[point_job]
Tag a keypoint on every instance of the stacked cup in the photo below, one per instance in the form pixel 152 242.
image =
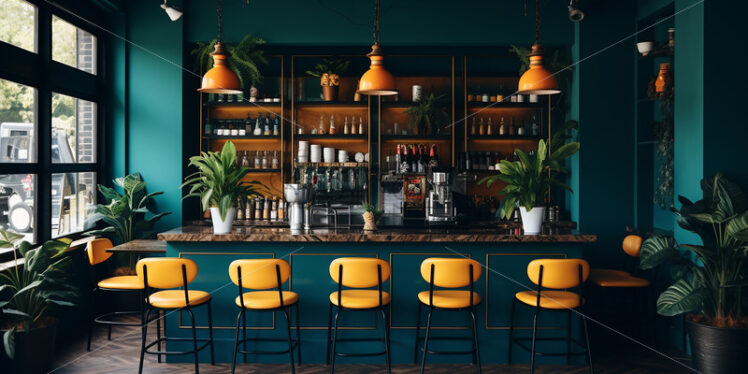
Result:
pixel 316 153
pixel 329 154
pixel 342 156
pixel 303 151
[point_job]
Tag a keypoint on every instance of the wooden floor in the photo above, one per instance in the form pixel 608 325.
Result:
pixel 121 354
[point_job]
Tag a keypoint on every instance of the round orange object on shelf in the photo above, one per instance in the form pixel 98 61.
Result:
pixel 632 245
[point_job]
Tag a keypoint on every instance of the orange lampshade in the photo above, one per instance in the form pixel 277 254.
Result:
pixel 377 81
pixel 220 79
pixel 537 80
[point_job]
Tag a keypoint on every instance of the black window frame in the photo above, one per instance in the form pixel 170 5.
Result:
pixel 47 76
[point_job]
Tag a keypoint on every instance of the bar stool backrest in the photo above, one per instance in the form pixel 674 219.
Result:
pixel 359 272
pixel 450 272
pixel 259 274
pixel 166 272
pixel 96 250
pixel 632 245
pixel 558 273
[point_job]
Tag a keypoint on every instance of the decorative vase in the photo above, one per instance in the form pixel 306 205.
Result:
pixel 222 226
pixel 717 350
pixel 664 78
pixel 330 93
pixel 369 224
pixel 532 220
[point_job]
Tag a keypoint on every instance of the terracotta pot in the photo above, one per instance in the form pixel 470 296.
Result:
pixel 369 224
pixel 330 93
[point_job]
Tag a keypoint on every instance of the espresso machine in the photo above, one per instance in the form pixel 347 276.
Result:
pixel 297 195
pixel 439 203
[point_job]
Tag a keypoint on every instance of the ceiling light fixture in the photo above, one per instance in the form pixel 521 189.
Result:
pixel 377 81
pixel 220 79
pixel 575 14
pixel 537 80
pixel 173 12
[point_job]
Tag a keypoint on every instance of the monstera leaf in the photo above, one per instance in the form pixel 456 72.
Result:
pixel 681 297
pixel 656 250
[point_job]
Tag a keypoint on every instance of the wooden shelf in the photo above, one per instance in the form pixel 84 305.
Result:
pixel 250 137
pixel 243 104
pixel 408 104
pixel 661 52
pixel 416 137
pixel 506 138
pixel 502 105
pixel 362 104
pixel 332 137
pixel 263 171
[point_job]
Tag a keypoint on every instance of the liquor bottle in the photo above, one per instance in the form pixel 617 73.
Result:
pixel 521 128
pixel 276 125
pixel 266 210
pixel 472 128
pixel 245 160
pixel 258 209
pixel 266 130
pixel 281 210
pixel 333 130
pixel 488 129
pixel 535 127
pixel 265 159
pixel 421 159
pixel 321 129
pixel 258 160
pixel 360 125
pixel 398 160
pixel 346 128
pixel 275 163
pixel 248 124
pixel 413 159
pixel 433 158
pixel 502 127
pixel 482 128
pixel 274 209
pixel 405 161
pixel 258 125
pixel 511 127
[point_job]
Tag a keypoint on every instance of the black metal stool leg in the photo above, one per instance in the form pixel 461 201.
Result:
pixel 144 332
pixel 418 334
pixel 91 315
pixel 534 336
pixel 244 333
pixel 158 334
pixel 426 339
pixel 334 341
pixel 210 333
pixel 587 341
pixel 475 340
pixel 236 340
pixel 194 340
pixel 290 340
pixel 329 335
pixel 568 337
pixel 386 341
pixel 511 331
pixel 298 334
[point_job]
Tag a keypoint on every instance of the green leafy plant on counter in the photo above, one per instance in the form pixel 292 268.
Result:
pixel 428 114
pixel 29 293
pixel 709 277
pixel 219 180
pixel 244 58
pixel 330 70
pixel 127 212
pixel 530 177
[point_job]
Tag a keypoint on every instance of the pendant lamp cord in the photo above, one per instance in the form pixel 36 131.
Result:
pixel 376 22
pixel 537 21
pixel 220 20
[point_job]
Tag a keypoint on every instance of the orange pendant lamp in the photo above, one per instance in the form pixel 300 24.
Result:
pixel 537 80
pixel 220 78
pixel 377 81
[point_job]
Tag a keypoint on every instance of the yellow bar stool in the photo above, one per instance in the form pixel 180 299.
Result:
pixel 165 273
pixel 358 273
pixel 612 278
pixel 553 277
pixel 264 274
pixel 97 254
pixel 448 273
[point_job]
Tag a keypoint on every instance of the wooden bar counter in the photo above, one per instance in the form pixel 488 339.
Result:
pixel 504 257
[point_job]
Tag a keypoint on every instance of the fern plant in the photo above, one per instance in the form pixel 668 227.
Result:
pixel 219 181
pixel 245 58
pixel 428 114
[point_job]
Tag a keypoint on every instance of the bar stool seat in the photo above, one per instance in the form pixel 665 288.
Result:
pixel 550 299
pixel 359 299
pixel 124 282
pixel 171 299
pixel 616 278
pixel 266 299
pixel 450 299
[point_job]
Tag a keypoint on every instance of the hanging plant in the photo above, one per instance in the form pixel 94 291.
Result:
pixel 245 58
pixel 663 136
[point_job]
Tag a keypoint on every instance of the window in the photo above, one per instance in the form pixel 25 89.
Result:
pixel 17 123
pixel 18 24
pixel 72 194
pixel 73 46
pixel 17 196
pixel 73 130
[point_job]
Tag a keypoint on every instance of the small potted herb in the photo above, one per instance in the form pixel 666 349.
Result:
pixel 329 71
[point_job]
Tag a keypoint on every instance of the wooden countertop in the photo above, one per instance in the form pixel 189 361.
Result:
pixel 197 233
pixel 140 246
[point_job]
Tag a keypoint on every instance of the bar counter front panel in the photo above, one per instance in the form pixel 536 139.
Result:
pixel 310 255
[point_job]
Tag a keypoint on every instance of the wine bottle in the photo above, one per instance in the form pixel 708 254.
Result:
pixel 502 127
pixel 276 125
pixel 413 160
pixel 482 128
pixel 332 130
pixel 405 163
pixel 488 128
pixel 398 160
pixel 421 159
pixel 267 131
pixel 258 125
pixel 433 158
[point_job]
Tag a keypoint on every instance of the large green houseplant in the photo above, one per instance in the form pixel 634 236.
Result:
pixel 29 296
pixel 529 178
pixel 219 183
pixel 428 114
pixel 709 277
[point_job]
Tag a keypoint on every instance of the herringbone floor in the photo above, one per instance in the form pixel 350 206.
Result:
pixel 121 354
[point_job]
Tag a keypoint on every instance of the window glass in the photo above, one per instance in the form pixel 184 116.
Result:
pixel 18 24
pixel 17 123
pixel 73 130
pixel 72 195
pixel 17 197
pixel 73 46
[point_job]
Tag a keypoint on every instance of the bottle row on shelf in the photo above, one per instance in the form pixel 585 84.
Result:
pixel 332 128
pixel 269 209
pixel 332 179
pixel 254 97
pixel 477 94
pixel 472 161
pixel 412 159
pixel 247 127
pixel 259 159
pixel 481 126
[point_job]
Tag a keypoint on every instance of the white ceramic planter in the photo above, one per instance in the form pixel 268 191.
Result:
pixel 222 226
pixel 532 220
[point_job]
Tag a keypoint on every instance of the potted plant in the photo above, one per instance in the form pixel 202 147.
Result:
pixel 219 184
pixel 125 213
pixel 245 58
pixel 329 71
pixel 529 179
pixel 709 276
pixel 428 115
pixel 371 216
pixel 29 295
